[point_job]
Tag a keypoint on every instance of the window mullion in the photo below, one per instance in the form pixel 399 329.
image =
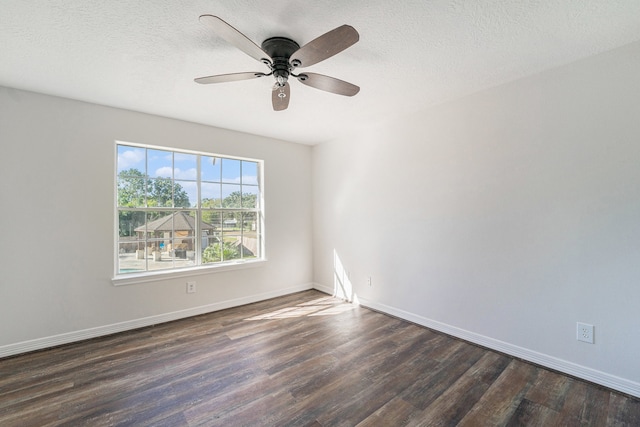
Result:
pixel 198 213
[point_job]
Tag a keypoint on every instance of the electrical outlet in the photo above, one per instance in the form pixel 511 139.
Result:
pixel 585 332
pixel 191 287
pixel 369 280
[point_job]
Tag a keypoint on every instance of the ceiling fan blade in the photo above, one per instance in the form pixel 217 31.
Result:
pixel 234 77
pixel 325 46
pixel 234 37
pixel 280 97
pixel 328 84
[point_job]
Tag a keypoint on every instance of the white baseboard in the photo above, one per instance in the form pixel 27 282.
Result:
pixel 611 381
pixel 69 337
pixel 326 289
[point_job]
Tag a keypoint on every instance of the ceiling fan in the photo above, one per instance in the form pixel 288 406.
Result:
pixel 283 55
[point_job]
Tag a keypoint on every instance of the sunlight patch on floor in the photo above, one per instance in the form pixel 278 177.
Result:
pixel 328 306
pixel 337 309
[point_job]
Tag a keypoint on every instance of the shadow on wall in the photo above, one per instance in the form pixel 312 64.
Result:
pixel 342 287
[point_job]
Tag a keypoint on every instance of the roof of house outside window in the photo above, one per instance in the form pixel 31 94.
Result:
pixel 179 221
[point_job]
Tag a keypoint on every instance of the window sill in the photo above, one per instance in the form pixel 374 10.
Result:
pixel 134 278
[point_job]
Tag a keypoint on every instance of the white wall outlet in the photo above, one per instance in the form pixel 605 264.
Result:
pixel 191 287
pixel 585 332
pixel 369 281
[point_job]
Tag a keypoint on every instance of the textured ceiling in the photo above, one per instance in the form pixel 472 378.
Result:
pixel 143 55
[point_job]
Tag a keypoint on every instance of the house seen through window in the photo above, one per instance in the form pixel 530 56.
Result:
pixel 180 209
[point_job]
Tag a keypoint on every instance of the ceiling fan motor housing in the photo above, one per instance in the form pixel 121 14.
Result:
pixel 280 50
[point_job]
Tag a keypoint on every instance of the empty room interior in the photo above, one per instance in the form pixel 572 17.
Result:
pixel 427 189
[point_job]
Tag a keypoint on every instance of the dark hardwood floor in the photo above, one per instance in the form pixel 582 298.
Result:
pixel 301 360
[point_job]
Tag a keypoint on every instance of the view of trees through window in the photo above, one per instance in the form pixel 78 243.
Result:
pixel 179 209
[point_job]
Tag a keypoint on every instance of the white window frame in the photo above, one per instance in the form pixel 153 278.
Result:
pixel 198 268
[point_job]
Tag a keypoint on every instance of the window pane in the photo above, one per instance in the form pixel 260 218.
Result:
pixel 212 253
pixel 208 226
pixel 158 224
pixel 183 252
pixel 249 247
pixel 229 222
pixel 250 224
pixel 160 163
pixel 160 192
pixel 131 191
pixel 231 235
pixel 185 194
pixel 231 170
pixel 208 232
pixel 185 166
pixel 231 196
pixel 211 195
pixel 249 172
pixel 159 259
pixel 184 225
pixel 131 257
pixel 211 237
pixel 171 239
pixel 249 196
pixel 130 225
pixel 131 160
pixel 212 221
pixel 210 168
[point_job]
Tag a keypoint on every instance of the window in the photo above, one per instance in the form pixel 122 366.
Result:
pixel 179 209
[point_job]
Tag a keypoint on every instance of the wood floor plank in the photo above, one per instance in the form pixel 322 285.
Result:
pixel 456 401
pixel 584 404
pixel 432 384
pixel 531 414
pixel 305 359
pixel 549 389
pixel 396 411
pixel 502 399
pixel 339 389
pixel 623 411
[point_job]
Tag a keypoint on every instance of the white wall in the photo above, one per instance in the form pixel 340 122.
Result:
pixel 503 218
pixel 57 221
